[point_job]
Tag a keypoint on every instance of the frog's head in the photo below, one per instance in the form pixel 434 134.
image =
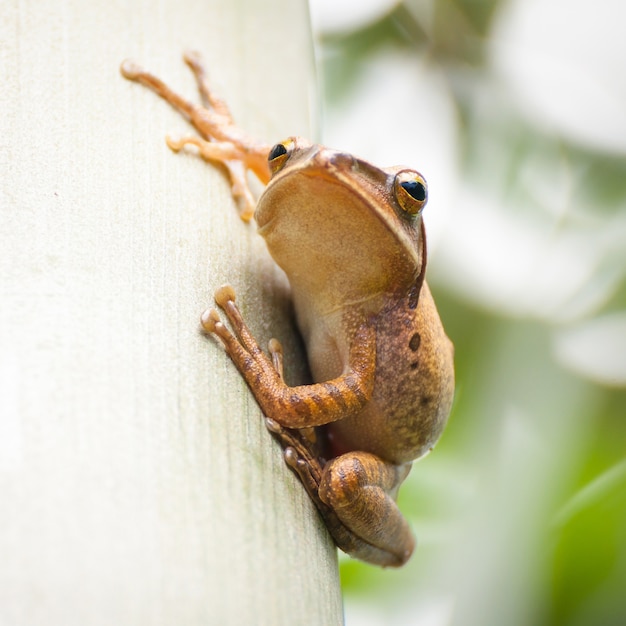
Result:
pixel 340 226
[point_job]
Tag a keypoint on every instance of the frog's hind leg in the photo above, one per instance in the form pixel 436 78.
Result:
pixel 352 492
pixel 359 489
pixel 301 457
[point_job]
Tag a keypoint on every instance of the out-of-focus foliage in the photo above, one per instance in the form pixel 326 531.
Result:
pixel 516 113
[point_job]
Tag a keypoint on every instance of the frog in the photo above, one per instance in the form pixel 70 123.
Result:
pixel 350 238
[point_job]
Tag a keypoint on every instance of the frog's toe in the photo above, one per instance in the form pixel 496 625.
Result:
pixel 130 69
pixel 292 459
pixel 192 57
pixel 224 295
pixel 176 145
pixel 273 426
pixel 209 320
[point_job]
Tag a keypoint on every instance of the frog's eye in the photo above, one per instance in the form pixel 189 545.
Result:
pixel 279 154
pixel 411 191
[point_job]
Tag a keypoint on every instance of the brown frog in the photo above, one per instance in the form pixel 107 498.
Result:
pixel 350 238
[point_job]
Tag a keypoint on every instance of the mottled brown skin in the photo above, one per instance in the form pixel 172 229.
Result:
pixel 350 238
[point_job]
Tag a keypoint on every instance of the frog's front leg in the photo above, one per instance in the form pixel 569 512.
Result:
pixel 305 405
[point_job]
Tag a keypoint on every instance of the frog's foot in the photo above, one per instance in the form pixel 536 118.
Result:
pixel 227 154
pixel 304 405
pixel 242 348
pixel 300 455
pixel 222 141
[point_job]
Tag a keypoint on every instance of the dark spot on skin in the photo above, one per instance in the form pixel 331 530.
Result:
pixel 414 342
pixel 296 403
pixel 335 394
pixel 414 365
pixel 424 400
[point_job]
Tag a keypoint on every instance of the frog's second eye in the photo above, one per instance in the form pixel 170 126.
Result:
pixel 279 154
pixel 411 191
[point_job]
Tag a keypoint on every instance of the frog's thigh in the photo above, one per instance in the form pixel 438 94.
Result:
pixel 356 486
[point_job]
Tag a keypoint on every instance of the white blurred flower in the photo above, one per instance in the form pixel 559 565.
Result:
pixel 333 16
pixel 595 348
pixel 524 266
pixel 566 62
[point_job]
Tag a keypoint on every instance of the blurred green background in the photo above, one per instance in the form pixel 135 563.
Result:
pixel 515 111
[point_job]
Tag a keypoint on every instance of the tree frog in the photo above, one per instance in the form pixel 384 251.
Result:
pixel 350 238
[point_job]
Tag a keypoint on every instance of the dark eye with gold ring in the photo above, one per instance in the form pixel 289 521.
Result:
pixel 279 154
pixel 411 192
